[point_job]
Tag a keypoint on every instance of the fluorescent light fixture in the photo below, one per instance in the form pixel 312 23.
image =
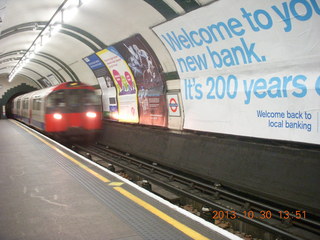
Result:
pixel 55 28
pixel 64 13
pixel 68 14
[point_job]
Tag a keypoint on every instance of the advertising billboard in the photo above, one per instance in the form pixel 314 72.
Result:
pixel 107 86
pixel 147 72
pixel 251 69
pixel 124 82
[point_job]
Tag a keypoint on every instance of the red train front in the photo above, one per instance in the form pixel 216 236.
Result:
pixel 68 109
pixel 73 109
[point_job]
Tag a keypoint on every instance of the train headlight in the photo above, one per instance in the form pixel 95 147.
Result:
pixel 91 114
pixel 57 116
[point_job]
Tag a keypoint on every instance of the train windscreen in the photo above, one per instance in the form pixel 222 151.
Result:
pixel 73 100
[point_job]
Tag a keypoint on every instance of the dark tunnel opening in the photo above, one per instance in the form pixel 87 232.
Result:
pixel 9 105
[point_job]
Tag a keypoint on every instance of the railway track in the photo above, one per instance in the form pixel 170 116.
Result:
pixel 221 203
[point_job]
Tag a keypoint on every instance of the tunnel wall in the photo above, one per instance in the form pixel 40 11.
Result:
pixel 11 92
pixel 281 173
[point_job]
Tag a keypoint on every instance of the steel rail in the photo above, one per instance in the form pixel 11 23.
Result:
pixel 112 156
pixel 204 186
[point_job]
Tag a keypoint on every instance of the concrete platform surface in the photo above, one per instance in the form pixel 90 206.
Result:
pixel 48 192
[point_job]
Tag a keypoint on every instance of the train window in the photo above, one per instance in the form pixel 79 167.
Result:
pixel 75 100
pixel 56 99
pixel 25 104
pixel 36 104
pixel 18 104
pixel 90 98
pixel 82 97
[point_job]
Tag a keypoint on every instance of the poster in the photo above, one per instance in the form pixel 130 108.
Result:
pixel 107 86
pixel 147 72
pixel 125 85
pixel 251 69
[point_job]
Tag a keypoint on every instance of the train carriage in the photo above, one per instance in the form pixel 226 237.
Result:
pixel 68 109
pixel 17 107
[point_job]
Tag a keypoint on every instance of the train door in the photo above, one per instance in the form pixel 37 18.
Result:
pixel 25 110
pixel 37 120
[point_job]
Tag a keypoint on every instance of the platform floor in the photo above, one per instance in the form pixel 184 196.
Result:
pixel 49 192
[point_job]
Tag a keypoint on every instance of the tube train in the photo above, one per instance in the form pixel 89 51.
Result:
pixel 66 110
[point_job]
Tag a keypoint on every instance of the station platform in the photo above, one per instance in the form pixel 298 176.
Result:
pixel 50 192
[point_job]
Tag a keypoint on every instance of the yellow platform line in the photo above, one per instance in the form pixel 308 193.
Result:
pixel 183 228
pixel 97 175
pixel 117 184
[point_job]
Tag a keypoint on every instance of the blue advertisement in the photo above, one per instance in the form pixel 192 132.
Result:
pixel 94 62
pixel 107 86
pixel 251 69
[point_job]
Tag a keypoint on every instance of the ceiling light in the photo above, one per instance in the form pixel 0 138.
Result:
pixel 64 13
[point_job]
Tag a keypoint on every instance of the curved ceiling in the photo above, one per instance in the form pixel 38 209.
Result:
pixel 95 25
